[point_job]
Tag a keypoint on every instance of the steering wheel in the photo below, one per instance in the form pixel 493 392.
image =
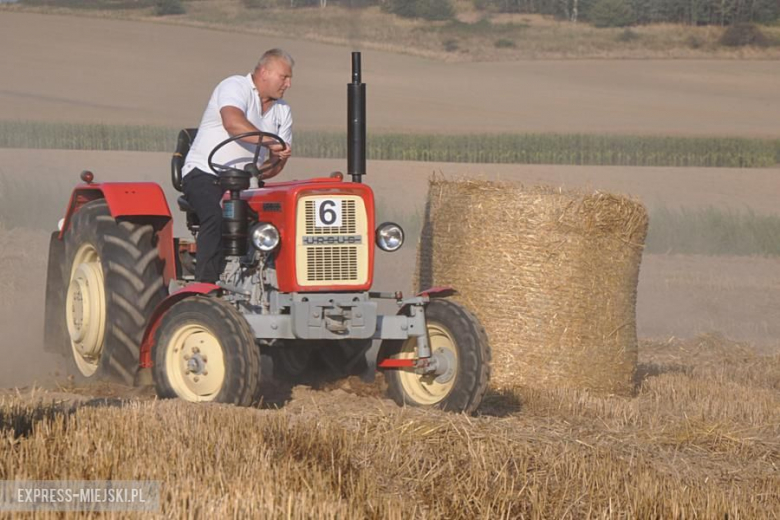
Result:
pixel 251 167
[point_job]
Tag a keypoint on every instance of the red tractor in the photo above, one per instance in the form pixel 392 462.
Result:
pixel 120 301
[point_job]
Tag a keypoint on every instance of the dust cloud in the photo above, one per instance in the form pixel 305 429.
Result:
pixel 23 254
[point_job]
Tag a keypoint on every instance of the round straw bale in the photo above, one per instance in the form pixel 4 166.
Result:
pixel 551 274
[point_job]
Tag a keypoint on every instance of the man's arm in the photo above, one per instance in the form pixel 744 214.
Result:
pixel 285 132
pixel 276 170
pixel 235 122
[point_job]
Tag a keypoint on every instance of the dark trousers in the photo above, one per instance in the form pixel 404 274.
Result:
pixel 205 196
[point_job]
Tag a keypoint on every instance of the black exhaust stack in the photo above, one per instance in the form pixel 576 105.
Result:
pixel 356 122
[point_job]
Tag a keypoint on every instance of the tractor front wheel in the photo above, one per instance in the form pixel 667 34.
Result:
pixel 460 347
pixel 204 350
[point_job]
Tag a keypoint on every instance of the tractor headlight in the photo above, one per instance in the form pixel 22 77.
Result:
pixel 389 237
pixel 265 236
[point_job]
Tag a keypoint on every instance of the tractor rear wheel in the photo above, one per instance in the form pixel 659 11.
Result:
pixel 113 281
pixel 459 343
pixel 204 350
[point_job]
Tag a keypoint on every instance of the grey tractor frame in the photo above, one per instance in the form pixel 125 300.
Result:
pixel 339 316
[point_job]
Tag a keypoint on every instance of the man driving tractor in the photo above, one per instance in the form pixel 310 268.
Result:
pixel 297 279
pixel 239 104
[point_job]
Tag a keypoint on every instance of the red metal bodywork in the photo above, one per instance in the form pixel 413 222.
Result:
pixel 127 199
pixel 154 322
pixel 286 195
pixel 440 291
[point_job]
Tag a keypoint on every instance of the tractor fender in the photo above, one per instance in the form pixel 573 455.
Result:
pixel 190 290
pixel 124 199
pixel 130 199
pixel 442 291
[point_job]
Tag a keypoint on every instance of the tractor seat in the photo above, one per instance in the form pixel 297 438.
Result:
pixel 183 144
pixel 193 222
pixel 184 205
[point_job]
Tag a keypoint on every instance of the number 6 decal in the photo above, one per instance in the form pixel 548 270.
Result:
pixel 328 213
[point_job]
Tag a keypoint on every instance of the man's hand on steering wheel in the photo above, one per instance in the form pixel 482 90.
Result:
pixel 277 150
pixel 275 162
pixel 277 147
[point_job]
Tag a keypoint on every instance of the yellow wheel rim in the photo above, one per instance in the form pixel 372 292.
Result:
pixel 85 309
pixel 195 363
pixel 428 389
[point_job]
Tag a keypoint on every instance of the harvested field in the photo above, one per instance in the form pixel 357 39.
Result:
pixel 49 175
pixel 678 295
pixel 700 439
pixel 75 69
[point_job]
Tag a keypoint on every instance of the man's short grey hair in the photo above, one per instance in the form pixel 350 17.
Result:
pixel 274 54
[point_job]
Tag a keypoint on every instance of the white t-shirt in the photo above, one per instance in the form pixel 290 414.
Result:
pixel 239 92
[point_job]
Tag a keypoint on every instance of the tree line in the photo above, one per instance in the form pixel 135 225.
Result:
pixel 690 12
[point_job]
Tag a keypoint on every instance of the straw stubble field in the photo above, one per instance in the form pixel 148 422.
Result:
pixel 699 440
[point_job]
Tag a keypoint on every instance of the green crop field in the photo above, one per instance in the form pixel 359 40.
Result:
pixel 577 149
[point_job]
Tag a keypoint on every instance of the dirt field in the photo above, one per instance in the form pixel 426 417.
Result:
pixel 78 69
pixel 679 296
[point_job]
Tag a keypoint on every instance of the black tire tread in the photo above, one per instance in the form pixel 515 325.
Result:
pixel 133 288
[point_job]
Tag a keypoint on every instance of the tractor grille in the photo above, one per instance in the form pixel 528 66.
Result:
pixel 335 254
pixel 326 264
